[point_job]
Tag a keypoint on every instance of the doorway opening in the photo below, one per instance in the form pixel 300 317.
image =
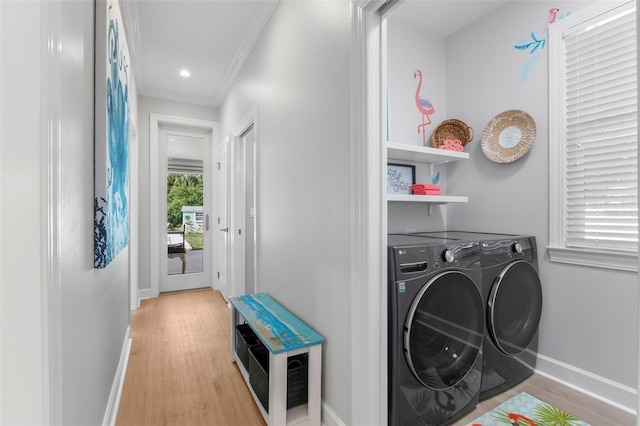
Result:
pixel 185 210
pixel 181 201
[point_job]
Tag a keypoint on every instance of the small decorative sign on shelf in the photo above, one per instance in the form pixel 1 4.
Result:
pixel 400 177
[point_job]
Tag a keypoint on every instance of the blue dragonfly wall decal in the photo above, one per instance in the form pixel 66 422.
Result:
pixel 535 44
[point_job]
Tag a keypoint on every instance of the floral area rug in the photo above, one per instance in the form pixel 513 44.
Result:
pixel 525 410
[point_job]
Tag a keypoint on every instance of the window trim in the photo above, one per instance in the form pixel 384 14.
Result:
pixel 558 252
pixel 619 260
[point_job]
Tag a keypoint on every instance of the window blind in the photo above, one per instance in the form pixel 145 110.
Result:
pixel 601 185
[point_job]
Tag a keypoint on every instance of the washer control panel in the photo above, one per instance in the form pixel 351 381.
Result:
pixel 448 256
pixel 459 255
pixel 412 261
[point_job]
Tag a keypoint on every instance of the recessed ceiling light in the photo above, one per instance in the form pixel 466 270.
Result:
pixel 185 73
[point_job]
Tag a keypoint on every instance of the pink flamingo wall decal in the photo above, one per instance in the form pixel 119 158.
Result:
pixel 553 15
pixel 424 106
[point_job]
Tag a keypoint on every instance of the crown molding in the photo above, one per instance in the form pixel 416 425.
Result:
pixel 129 11
pixel 255 29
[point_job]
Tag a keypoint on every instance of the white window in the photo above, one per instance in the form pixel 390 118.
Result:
pixel 593 137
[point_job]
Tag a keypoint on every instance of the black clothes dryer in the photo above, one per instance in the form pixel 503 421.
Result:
pixel 512 293
pixel 436 329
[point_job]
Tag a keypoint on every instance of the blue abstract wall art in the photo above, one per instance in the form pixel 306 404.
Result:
pixel 111 202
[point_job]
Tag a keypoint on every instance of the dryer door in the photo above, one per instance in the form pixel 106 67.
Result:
pixel 514 307
pixel 444 330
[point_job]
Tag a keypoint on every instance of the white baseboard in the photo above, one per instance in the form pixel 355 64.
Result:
pixel 113 404
pixel 613 393
pixel 144 293
pixel 329 417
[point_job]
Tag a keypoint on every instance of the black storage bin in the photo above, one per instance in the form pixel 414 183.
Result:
pixel 297 377
pixel 245 338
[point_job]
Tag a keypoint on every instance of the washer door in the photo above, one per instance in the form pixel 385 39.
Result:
pixel 444 330
pixel 514 307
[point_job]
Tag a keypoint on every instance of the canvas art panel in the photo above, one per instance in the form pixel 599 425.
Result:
pixel 111 158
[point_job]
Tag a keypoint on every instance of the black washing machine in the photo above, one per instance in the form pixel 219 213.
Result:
pixel 512 293
pixel 436 329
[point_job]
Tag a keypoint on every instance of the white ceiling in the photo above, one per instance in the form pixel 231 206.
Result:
pixel 212 38
pixel 443 17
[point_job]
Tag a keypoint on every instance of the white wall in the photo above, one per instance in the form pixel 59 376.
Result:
pixel 298 76
pixel 88 307
pixel 21 212
pixel 94 304
pixel 146 106
pixel 410 48
pixel 589 318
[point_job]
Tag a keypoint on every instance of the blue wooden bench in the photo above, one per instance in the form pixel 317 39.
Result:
pixel 284 335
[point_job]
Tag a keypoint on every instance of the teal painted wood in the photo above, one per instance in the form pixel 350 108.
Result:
pixel 278 328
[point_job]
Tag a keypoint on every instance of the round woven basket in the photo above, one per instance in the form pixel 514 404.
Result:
pixel 508 136
pixel 450 130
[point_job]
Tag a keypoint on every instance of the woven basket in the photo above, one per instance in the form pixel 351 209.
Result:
pixel 450 130
pixel 245 338
pixel 297 377
pixel 508 136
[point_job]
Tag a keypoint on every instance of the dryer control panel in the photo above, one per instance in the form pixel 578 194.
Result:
pixel 506 249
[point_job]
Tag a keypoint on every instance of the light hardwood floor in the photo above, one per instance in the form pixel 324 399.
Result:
pixel 180 372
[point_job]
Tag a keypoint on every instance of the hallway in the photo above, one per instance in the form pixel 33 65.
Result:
pixel 179 370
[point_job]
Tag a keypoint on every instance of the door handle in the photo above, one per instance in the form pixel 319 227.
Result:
pixel 224 230
pixel 206 222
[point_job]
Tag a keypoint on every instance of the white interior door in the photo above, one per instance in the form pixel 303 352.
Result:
pixel 237 227
pixel 243 226
pixel 223 220
pixel 248 142
pixel 186 178
pixel 243 214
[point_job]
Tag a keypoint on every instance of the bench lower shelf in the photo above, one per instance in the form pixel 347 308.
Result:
pixel 295 416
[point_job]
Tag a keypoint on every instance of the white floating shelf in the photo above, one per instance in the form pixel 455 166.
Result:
pixel 433 199
pixel 422 154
